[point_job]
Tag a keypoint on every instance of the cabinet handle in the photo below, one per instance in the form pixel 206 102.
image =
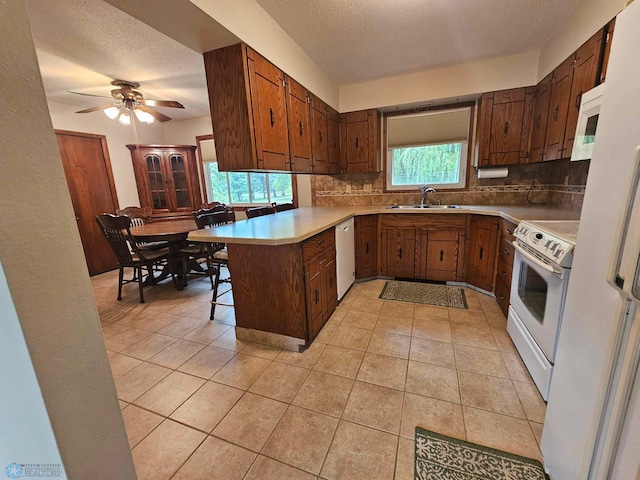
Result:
pixel 317 296
pixel 400 253
pixel 366 248
pixel 321 243
pixel 504 273
pixel 501 296
pixel 357 142
pixel 301 128
pixel 555 112
pixel 481 252
pixel 538 121
pixel 506 128
pixel 330 282
pixel 320 136
pixel 578 100
pixel 509 231
pixel 506 251
pixel 441 255
pixel 272 117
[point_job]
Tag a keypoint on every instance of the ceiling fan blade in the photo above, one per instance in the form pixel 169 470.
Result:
pixel 95 109
pixel 89 94
pixel 157 115
pixel 162 103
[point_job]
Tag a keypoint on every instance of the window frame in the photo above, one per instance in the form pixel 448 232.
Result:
pixel 466 153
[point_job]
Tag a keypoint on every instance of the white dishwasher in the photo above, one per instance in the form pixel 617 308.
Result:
pixel 345 256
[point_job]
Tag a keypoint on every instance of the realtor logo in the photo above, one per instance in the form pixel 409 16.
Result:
pixel 14 470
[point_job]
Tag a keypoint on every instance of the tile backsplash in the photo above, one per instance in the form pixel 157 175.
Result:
pixel 559 182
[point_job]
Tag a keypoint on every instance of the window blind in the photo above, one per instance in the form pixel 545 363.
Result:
pixel 208 151
pixel 444 126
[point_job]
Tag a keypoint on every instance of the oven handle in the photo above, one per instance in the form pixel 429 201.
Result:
pixel 534 260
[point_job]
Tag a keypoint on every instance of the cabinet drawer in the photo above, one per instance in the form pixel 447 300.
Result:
pixel 507 228
pixel 502 296
pixel 443 235
pixel 505 271
pixel 506 251
pixel 315 245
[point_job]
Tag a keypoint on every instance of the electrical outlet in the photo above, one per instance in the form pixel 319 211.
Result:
pixel 566 180
pixel 368 187
pixel 348 187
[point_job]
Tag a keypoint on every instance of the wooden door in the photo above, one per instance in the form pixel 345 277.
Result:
pixel 319 135
pixel 269 113
pixel 330 285
pixel 481 248
pixel 584 79
pixel 356 138
pixel 540 114
pixel 153 174
pixel 558 108
pixel 400 252
pixel 506 131
pixel 366 251
pixel 87 167
pixel 316 303
pixel 442 256
pixel 299 126
pixel 333 140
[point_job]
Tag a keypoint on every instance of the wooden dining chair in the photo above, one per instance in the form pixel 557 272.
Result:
pixel 117 231
pixel 221 207
pixel 141 216
pixel 260 211
pixel 209 205
pixel 283 207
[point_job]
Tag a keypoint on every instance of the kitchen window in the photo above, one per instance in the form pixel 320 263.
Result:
pixel 428 148
pixel 243 188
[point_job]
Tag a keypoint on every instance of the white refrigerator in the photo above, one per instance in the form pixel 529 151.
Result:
pixel 592 424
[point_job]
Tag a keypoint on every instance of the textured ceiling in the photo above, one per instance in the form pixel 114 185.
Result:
pixel 359 40
pixel 84 44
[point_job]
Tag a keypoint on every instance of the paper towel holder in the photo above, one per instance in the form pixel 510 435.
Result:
pixel 492 172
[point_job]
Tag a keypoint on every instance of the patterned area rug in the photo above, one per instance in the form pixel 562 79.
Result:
pixel 429 294
pixel 439 457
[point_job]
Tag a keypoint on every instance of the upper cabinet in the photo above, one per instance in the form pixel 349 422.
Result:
pixel 504 126
pixel 265 120
pixel 361 141
pixel 167 178
pixel 535 124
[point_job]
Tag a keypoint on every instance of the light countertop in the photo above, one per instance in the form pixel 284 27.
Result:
pixel 294 226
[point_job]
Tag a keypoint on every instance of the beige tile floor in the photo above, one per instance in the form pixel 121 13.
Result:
pixel 198 403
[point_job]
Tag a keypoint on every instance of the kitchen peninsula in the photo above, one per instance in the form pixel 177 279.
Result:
pixel 283 265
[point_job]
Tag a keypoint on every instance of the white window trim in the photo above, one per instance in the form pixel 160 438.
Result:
pixel 209 189
pixel 462 177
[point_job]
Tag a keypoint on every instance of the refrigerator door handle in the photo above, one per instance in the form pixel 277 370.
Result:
pixel 618 277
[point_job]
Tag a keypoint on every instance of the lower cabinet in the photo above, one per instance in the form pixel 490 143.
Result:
pixel 398 251
pixel 482 242
pixel 366 237
pixel 505 265
pixel 321 294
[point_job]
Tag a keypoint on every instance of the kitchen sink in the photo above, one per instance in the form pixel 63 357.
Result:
pixel 404 207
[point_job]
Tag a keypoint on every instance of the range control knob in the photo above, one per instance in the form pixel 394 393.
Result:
pixel 538 236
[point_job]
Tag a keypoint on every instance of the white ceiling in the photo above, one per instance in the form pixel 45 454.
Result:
pixel 84 44
pixel 358 40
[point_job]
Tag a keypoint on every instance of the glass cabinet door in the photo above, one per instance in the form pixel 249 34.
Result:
pixel 178 168
pixel 156 181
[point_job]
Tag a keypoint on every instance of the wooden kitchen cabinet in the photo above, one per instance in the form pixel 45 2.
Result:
pixel 167 178
pixel 333 140
pixel 504 270
pixel 366 238
pixel 482 242
pixel 607 38
pixel 299 126
pixel 561 80
pixel 539 123
pixel 361 141
pixel 398 251
pixel 319 140
pixel 504 126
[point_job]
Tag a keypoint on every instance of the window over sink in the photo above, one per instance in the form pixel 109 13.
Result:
pixel 428 148
pixel 242 188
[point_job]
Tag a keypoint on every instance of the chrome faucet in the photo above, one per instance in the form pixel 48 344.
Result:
pixel 425 190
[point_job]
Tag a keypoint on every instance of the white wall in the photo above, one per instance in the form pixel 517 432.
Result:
pixel 26 436
pixel 445 82
pixel 252 24
pixel 590 17
pixel 118 136
pixel 54 302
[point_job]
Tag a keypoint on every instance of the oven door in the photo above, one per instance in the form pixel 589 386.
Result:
pixel 537 296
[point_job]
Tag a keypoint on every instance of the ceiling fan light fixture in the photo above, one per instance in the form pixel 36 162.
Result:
pixel 144 116
pixel 124 118
pixel 112 112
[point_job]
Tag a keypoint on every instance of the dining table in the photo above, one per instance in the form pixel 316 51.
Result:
pixel 175 233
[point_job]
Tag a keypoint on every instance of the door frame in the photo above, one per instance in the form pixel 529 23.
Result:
pixel 105 155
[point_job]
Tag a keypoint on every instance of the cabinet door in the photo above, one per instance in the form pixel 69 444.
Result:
pixel 366 246
pixel 178 175
pixel 506 131
pixel 608 39
pixel 153 192
pixel 442 256
pixel 333 140
pixel 330 286
pixel 400 252
pixel 558 108
pixel 481 248
pixel 540 114
pixel 357 136
pixel 299 126
pixel 316 302
pixel 319 135
pixel 269 113
pixel 584 79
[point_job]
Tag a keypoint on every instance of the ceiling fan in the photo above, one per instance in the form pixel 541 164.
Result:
pixel 128 101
